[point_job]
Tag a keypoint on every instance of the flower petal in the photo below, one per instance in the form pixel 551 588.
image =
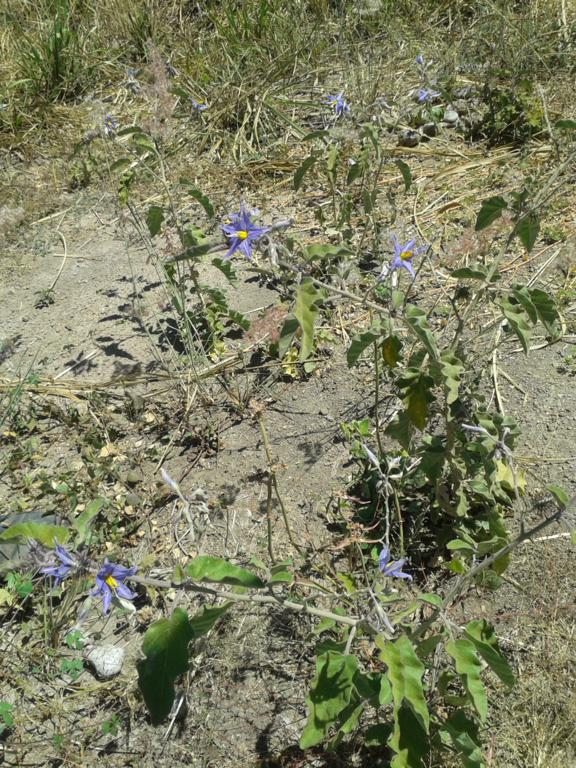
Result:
pixel 107 600
pixel 384 558
pixel 123 591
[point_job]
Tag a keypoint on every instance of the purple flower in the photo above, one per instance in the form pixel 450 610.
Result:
pixel 197 106
pixel 110 126
pixel 392 569
pixel 60 572
pixel 427 94
pixel 339 104
pixel 110 583
pixel 403 255
pixel 242 232
pixel 420 60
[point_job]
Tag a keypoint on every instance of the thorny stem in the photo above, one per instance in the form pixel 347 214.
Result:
pixel 270 599
pixel 377 399
pixel 273 483
pixel 269 517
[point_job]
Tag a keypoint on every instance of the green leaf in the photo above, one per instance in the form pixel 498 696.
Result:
pixel 131 129
pixel 522 295
pixel 474 272
pixel 518 320
pixel 463 733
pixel 404 169
pixel 409 740
pixel 469 668
pixel 48 535
pixel 377 735
pixel 417 395
pixel 431 599
pixel 154 219
pixel 356 170
pixel 303 170
pixel 484 638
pixel 369 200
pixel 84 519
pixel 391 348
pixel 203 622
pixel 331 693
pixel 325 252
pixel 566 125
pixel 452 369
pixel 546 311
pixel 121 165
pixel 226 267
pixel 459 545
pixel 165 646
pixel 207 568
pixel 287 334
pixel 332 162
pixel 405 671
pixel 282 577
pixel 527 230
pixel 490 210
pixel 417 320
pixel 559 494
pixel 400 429
pixel 305 312
pixel 203 199
pixel 316 135
pixel 360 344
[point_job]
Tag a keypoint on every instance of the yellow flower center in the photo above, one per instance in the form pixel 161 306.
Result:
pixel 111 581
pixel 406 255
pixel 242 234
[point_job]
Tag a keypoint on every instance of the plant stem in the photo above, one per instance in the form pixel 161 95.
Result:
pixel 273 483
pixel 377 400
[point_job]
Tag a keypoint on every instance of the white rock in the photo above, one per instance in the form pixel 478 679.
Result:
pixel 107 660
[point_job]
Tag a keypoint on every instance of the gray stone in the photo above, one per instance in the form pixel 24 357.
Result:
pixel 409 138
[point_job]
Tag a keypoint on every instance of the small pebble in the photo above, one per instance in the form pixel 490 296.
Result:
pixel 451 117
pixel 409 138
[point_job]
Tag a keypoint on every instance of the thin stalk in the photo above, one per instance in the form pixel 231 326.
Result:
pixel 273 483
pixel 377 399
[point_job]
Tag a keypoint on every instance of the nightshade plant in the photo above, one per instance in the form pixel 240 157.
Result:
pixel 440 481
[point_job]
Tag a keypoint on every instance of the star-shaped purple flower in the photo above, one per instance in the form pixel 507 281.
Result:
pixel 427 94
pixel 110 583
pixel 242 233
pixel 110 125
pixel 392 569
pixel 339 103
pixel 61 571
pixel 403 255
pixel 420 60
pixel 197 106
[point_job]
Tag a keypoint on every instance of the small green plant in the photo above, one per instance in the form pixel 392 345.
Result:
pixel 111 726
pixel 514 113
pixel 72 667
pixel 6 716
